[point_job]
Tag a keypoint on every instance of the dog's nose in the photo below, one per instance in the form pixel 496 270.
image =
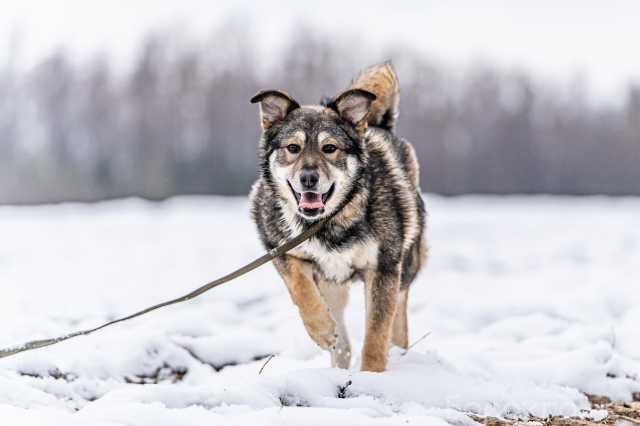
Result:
pixel 309 178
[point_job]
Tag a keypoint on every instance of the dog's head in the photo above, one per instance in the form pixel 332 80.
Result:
pixel 313 154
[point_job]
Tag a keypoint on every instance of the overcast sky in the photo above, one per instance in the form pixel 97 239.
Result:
pixel 556 40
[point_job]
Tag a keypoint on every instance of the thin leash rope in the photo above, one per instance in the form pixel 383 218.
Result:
pixel 267 257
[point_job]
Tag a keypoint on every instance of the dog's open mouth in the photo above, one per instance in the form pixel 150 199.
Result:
pixel 312 203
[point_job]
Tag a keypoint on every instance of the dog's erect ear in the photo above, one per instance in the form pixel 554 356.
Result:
pixel 353 106
pixel 274 106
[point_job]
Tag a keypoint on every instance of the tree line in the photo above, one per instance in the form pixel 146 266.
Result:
pixel 177 121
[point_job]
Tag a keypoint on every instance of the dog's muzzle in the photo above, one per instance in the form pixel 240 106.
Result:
pixel 311 203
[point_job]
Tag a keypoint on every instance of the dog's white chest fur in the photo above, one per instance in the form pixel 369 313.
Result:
pixel 339 265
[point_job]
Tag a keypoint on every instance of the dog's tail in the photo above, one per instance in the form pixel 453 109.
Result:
pixel 381 80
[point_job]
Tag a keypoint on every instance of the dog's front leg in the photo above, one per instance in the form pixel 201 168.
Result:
pixel 381 289
pixel 298 276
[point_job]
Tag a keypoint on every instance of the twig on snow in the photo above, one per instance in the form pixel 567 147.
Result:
pixel 269 358
pixel 424 336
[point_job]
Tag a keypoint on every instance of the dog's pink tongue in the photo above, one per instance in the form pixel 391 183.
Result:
pixel 310 200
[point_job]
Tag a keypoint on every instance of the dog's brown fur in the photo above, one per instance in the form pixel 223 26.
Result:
pixel 298 276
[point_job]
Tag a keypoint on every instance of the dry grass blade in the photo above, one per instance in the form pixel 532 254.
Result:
pixel 265 363
pixel 424 336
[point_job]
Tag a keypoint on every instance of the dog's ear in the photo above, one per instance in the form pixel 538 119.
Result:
pixel 353 106
pixel 274 106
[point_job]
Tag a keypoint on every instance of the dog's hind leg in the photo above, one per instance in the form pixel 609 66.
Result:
pixel 400 331
pixel 298 276
pixel 413 261
pixel 336 296
pixel 382 288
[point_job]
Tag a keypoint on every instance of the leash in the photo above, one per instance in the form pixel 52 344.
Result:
pixel 267 257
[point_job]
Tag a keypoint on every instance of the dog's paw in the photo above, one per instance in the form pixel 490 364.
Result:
pixel 323 332
pixel 341 356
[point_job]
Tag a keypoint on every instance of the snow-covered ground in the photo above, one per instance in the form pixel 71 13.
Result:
pixel 530 302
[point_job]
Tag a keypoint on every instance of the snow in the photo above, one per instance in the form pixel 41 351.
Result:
pixel 530 303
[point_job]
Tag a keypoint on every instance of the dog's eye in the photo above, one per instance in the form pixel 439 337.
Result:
pixel 293 148
pixel 329 148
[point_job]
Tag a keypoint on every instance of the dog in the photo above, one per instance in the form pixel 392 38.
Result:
pixel 340 161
